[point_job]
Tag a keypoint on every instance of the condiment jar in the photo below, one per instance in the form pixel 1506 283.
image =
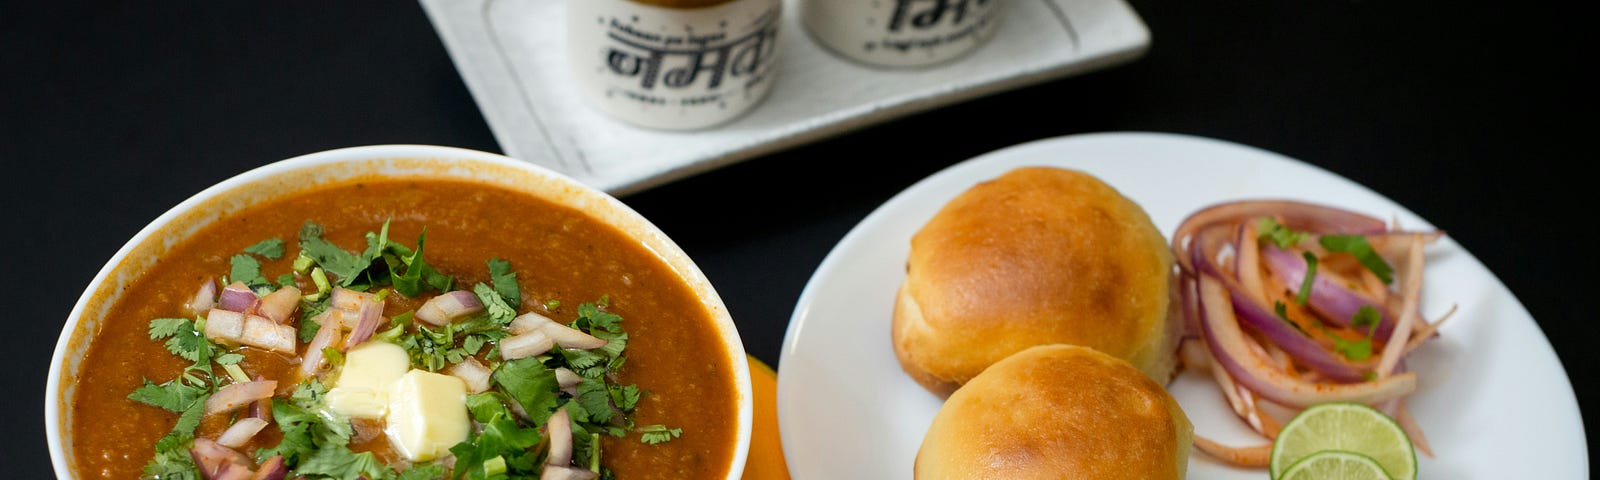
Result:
pixel 673 64
pixel 901 33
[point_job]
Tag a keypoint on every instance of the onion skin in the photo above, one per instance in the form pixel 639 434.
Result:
pixel 568 380
pixel 371 318
pixel 449 307
pixel 529 322
pixel 1253 456
pixel 237 297
pixel 569 337
pixel 560 429
pixel 474 373
pixel 205 298
pixel 241 432
pixel 213 459
pixel 556 472
pixel 272 469
pixel 239 395
pixel 279 305
pixel 311 361
pixel 525 345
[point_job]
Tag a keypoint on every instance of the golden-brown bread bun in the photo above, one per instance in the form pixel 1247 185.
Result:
pixel 1058 412
pixel 1037 256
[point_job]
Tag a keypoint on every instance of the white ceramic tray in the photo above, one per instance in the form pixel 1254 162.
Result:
pixel 510 53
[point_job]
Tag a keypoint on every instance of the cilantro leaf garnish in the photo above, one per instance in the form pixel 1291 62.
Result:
pixel 1283 314
pixel 1310 278
pixel 432 471
pixel 271 248
pixel 345 265
pixel 501 447
pixel 505 282
pixel 1357 245
pixel 166 327
pixel 339 462
pixel 1280 235
pixel 308 427
pixel 494 305
pixel 419 276
pixel 174 396
pixel 1366 316
pixel 657 434
pixel 591 318
pixel 246 269
pixel 532 385
pixel 1352 349
pixel 184 339
pixel 172 459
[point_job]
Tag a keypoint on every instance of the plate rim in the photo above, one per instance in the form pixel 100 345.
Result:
pixel 793 332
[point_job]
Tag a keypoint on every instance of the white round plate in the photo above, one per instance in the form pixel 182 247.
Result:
pixel 1493 399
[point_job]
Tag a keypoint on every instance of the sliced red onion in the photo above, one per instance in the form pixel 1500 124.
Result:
pixel 449 307
pixel 224 326
pixel 1411 291
pixel 1336 303
pixel 278 305
pixel 473 372
pixel 272 469
pixel 525 345
pixel 238 298
pixel 327 335
pixel 529 322
pixel 556 472
pixel 213 458
pixel 350 299
pixel 568 337
pixel 1227 343
pixel 262 332
pixel 371 318
pixel 1394 244
pixel 1298 345
pixel 1293 214
pixel 205 298
pixel 560 428
pixel 1252 456
pixel 239 395
pixel 241 432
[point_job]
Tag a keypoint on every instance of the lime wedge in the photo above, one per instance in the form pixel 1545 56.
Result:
pixel 1346 427
pixel 1335 465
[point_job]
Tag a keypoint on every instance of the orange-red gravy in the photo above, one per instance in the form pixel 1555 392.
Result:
pixel 558 253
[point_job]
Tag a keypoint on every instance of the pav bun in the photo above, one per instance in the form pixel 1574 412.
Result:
pixel 1057 411
pixel 1037 256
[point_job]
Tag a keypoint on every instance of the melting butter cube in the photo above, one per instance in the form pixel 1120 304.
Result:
pixel 427 414
pixel 363 386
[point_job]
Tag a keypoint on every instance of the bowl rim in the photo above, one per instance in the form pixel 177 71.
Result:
pixel 620 216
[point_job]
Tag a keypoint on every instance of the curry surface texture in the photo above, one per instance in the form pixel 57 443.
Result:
pixel 558 253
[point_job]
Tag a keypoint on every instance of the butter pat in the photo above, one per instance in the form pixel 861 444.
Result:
pixel 427 414
pixel 363 387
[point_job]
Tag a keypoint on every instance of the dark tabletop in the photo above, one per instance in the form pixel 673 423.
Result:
pixel 1474 115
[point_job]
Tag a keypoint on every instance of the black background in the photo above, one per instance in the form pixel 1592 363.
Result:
pixel 1472 114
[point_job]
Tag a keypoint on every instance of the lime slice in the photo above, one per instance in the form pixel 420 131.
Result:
pixel 1347 427
pixel 1335 465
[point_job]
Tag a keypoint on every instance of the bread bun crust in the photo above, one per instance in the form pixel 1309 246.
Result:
pixel 1039 255
pixel 1057 411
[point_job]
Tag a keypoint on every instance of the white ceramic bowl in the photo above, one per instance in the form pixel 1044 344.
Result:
pixel 310 171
